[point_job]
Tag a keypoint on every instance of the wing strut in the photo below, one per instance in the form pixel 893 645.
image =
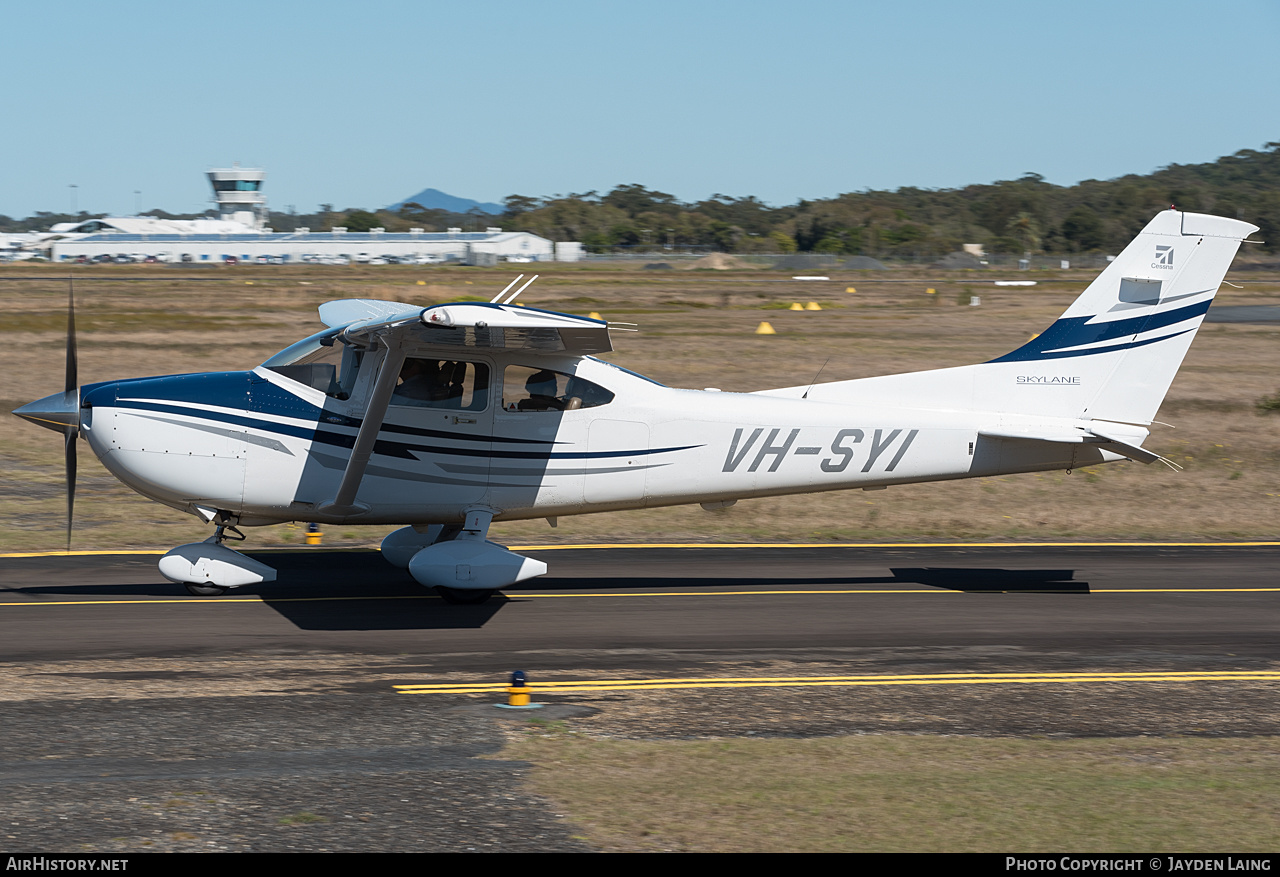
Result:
pixel 344 502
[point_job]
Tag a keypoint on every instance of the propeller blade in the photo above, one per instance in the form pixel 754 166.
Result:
pixel 72 377
pixel 69 453
pixel 71 393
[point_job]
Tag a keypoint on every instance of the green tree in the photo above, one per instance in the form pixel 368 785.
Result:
pixel 636 199
pixel 1083 229
pixel 361 220
pixel 782 242
pixel 518 204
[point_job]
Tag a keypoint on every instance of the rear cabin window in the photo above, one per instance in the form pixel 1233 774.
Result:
pixel 525 388
pixel 443 383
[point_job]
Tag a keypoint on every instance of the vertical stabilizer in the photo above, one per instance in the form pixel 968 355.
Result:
pixel 1111 356
pixel 1122 341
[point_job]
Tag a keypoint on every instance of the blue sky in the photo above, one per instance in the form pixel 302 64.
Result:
pixel 360 105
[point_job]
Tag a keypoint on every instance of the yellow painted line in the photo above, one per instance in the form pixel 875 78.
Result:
pixel 560 687
pixel 219 601
pixel 630 545
pixel 79 553
pixel 516 595
pixel 1046 588
pixel 897 545
pixel 1172 590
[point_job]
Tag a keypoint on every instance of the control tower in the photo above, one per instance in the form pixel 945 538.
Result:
pixel 238 191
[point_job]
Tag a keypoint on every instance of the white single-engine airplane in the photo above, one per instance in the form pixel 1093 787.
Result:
pixel 451 417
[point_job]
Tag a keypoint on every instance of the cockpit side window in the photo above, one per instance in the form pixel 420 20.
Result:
pixel 443 383
pixel 322 362
pixel 528 388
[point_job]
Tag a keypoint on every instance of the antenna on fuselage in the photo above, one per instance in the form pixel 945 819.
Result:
pixel 520 290
pixel 815 379
pixel 498 297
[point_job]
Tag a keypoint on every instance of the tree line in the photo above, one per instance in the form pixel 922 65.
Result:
pixel 1022 216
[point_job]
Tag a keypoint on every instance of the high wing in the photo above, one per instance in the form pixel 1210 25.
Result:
pixel 335 314
pixel 476 325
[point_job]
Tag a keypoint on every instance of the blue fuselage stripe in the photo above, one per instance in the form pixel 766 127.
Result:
pixel 385 447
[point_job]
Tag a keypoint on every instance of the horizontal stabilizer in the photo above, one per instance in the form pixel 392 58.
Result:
pixel 1083 436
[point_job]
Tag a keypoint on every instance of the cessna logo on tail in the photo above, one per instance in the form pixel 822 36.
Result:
pixel 1164 257
pixel 773 446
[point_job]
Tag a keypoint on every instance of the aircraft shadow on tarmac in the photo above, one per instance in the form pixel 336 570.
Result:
pixel 994 581
pixel 357 591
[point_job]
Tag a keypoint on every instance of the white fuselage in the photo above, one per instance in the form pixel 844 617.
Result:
pixel 267 448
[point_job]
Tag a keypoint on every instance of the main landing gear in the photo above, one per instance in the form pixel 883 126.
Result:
pixel 459 597
pixel 461 565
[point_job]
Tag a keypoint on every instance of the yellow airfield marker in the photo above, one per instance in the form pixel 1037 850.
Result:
pixel 595 316
pixel 796 306
pixel 248 283
pixel 592 685
pixel 813 306
pixel 765 329
pixel 422 283
pixel 850 289
pixel 931 291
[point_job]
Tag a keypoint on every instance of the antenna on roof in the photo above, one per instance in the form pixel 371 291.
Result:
pixel 494 300
pixel 521 289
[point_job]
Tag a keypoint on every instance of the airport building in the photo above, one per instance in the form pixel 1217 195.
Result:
pixel 238 192
pixel 240 235
pixel 332 247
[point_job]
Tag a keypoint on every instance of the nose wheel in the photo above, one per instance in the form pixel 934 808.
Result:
pixel 210 569
pixel 463 596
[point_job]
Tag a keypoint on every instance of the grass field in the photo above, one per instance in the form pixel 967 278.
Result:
pixel 884 793
pixel 697 329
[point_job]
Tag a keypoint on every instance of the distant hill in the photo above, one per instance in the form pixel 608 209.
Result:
pixel 434 199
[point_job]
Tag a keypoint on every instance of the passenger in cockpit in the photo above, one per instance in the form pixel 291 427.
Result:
pixel 418 380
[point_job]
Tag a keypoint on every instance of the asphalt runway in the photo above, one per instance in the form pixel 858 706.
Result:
pixel 1193 600
pixel 137 717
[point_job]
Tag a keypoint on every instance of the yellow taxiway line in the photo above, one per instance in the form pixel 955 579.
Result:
pixel 518 595
pixel 564 687
pixel 294 549
pixel 897 545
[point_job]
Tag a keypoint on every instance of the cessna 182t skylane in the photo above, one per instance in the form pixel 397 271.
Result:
pixel 451 417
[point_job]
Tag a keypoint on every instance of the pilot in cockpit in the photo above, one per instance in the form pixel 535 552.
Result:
pixel 541 387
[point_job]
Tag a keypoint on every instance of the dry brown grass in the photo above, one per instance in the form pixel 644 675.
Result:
pixel 910 794
pixel 697 330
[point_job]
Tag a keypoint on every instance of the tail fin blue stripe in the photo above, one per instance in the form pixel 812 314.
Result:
pixel 1075 331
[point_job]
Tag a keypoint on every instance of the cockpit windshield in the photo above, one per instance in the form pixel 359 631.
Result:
pixel 322 361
